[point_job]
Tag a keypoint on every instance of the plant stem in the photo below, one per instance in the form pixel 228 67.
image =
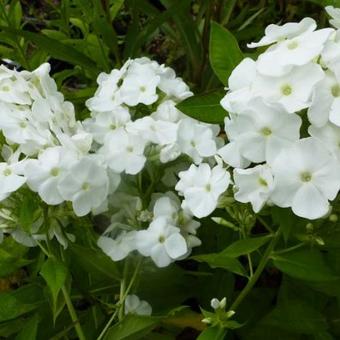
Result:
pixel 73 314
pixel 123 295
pixel 265 258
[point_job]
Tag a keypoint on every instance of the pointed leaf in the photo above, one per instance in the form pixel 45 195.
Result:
pixel 304 264
pixel 224 52
pixel 205 108
pixel 243 247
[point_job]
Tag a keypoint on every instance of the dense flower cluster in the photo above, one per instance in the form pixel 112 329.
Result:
pixel 282 128
pixel 284 114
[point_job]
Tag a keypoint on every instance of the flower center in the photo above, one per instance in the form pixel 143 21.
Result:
pixel 266 131
pixel 293 45
pixel 142 88
pixel 161 239
pixel 85 186
pixel 286 90
pixel 54 172
pixel 335 90
pixel 306 176
pixel 193 144
pixel 7 172
pixel 5 88
pixel 263 182
pixel 129 149
pixel 23 125
pixel 112 127
pixel 208 188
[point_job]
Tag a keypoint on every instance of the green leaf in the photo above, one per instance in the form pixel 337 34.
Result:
pixel 296 316
pixel 20 301
pixel 205 108
pixel 94 260
pixel 285 219
pixel 220 260
pixel 304 264
pixel 30 329
pixel 132 327
pixel 57 49
pixel 54 273
pixel 212 333
pixel 224 52
pixel 11 256
pixel 246 246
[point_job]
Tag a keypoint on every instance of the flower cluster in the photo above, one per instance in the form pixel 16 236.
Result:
pixel 152 170
pixel 283 125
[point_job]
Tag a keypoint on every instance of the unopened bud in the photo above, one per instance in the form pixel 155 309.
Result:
pixel 206 320
pixel 333 218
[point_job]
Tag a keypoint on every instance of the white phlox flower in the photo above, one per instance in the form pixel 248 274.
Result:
pixel 201 187
pixel 275 33
pixel 329 136
pixel 306 177
pixel 239 84
pixel 162 241
pixel 293 90
pixel 86 185
pixel 124 151
pixel 196 140
pixel 133 305
pixel 119 247
pixel 326 100
pixel 45 173
pixel 259 133
pixel 298 51
pixel 253 185
pixel 105 123
pixel 335 16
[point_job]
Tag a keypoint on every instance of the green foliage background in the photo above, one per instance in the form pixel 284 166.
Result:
pixel 296 264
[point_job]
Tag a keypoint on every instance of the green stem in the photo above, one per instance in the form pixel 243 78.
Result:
pixel 123 295
pixel 287 250
pixel 265 258
pixel 73 314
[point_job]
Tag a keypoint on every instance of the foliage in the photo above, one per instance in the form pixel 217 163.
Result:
pixel 278 272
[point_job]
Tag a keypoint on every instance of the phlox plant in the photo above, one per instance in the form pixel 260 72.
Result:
pixel 137 209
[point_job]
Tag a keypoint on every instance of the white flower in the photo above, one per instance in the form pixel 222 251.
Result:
pixel 10 179
pixel 253 185
pixel 139 86
pixel 44 174
pixel 105 123
pixel 326 101
pixel 156 131
pixel 174 87
pixel 13 87
pixel 119 247
pixel 107 96
pixel 306 176
pixel 259 133
pixel 276 33
pixel 239 83
pixel 196 140
pixel 329 136
pixel 218 304
pixel 86 185
pixel 169 206
pixel 167 111
pixel 124 151
pixel 293 90
pixel 298 51
pixel 133 305
pixel 330 56
pixel 335 16
pixel 201 187
pixel 162 241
